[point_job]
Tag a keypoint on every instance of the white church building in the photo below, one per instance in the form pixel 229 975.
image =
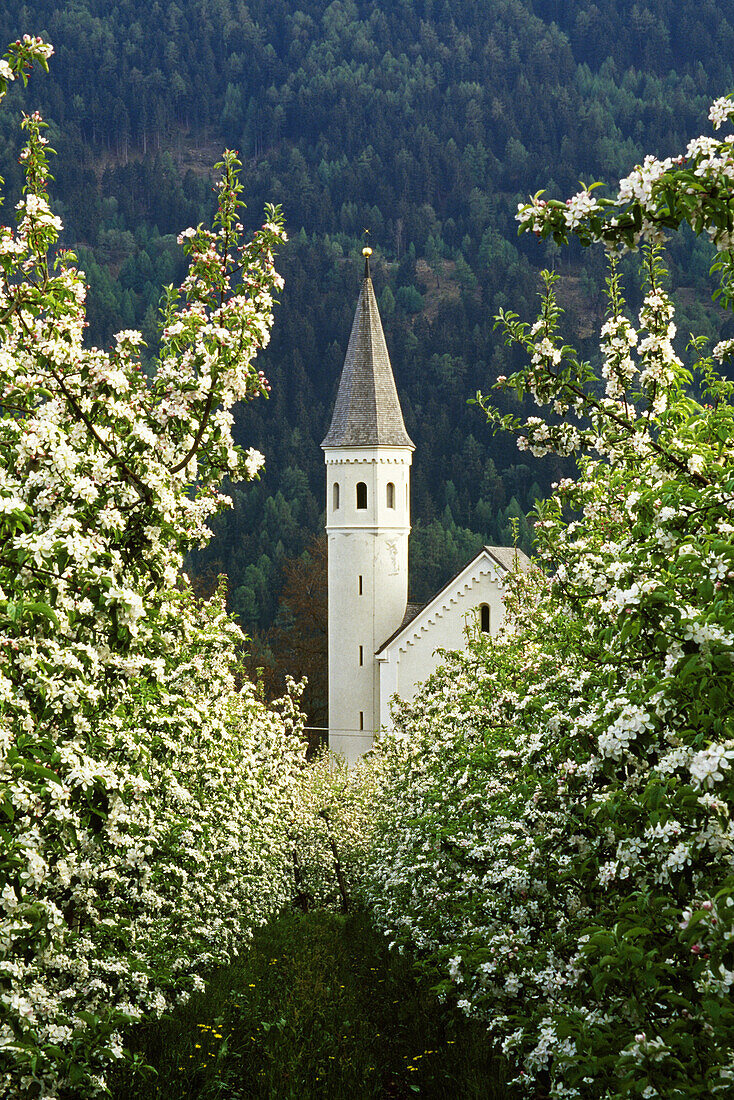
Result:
pixel 379 644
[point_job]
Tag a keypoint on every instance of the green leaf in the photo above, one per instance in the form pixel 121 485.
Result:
pixel 31 768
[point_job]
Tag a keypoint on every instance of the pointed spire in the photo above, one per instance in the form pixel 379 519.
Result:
pixel 367 410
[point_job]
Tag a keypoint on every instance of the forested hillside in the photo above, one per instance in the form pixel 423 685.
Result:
pixel 425 122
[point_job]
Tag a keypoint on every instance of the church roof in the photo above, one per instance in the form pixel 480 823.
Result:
pixel 411 610
pixel 503 556
pixel 367 410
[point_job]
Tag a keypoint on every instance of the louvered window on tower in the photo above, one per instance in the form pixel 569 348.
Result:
pixel 336 495
pixel 361 494
pixel 390 495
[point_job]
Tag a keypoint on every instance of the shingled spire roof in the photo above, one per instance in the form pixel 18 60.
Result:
pixel 367 410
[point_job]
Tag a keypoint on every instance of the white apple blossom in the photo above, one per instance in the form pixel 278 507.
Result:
pixel 708 766
pixel 720 111
pixel 579 207
pixel 254 462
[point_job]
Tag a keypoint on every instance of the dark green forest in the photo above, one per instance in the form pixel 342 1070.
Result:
pixel 425 122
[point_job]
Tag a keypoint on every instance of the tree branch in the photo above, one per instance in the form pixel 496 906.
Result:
pixel 140 487
pixel 629 426
pixel 198 437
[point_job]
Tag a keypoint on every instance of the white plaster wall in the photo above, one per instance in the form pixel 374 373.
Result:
pixel 412 657
pixel 370 543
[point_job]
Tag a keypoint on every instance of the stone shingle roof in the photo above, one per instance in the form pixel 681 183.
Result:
pixel 367 410
pixel 505 556
pixel 411 610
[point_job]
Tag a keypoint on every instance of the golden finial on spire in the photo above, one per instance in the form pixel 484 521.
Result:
pixel 366 252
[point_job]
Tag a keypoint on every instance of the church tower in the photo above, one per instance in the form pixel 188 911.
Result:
pixel 368 454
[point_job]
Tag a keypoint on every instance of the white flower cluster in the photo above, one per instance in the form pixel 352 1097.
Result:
pixel 659 360
pixel 631 721
pixel 579 207
pixel 708 766
pixel 638 185
pixel 618 337
pixel 533 215
pixel 254 462
pixel 723 350
pixel 721 111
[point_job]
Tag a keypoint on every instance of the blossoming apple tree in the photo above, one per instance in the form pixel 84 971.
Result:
pixel 557 838
pixel 143 793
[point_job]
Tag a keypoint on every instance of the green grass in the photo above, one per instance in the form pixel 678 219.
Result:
pixel 316 1009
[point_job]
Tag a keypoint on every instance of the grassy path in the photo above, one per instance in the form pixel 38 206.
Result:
pixel 317 1010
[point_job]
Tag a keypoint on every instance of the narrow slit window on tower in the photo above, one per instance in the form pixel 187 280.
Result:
pixel 484 618
pixel 390 495
pixel 361 494
pixel 361 655
pixel 360 584
pixel 336 495
pixel 361 719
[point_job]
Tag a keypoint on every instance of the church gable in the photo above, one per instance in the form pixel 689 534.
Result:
pixel 482 576
pixel 470 601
